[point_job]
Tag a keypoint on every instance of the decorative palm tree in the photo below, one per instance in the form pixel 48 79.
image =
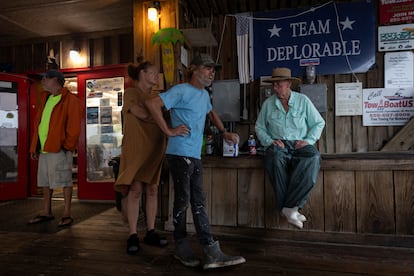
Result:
pixel 166 38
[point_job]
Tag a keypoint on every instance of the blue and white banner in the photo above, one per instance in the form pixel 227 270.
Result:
pixel 337 38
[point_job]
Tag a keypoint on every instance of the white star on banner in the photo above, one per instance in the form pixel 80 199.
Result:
pixel 347 24
pixel 274 31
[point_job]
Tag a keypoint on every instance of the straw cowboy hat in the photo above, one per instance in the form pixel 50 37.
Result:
pixel 282 74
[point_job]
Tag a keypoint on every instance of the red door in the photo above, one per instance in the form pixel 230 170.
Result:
pixel 14 149
pixel 101 91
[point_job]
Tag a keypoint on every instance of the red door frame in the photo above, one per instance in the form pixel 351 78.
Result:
pixel 35 89
pixel 87 189
pixel 19 189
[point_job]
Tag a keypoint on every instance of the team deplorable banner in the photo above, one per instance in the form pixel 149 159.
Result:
pixel 337 38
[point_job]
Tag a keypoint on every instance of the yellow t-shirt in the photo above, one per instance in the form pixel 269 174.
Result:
pixel 44 122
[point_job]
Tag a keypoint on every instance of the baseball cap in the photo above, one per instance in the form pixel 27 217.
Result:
pixel 54 74
pixel 206 60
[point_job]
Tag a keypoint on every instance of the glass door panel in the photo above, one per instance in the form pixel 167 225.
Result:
pixel 8 131
pixel 103 126
pixel 14 149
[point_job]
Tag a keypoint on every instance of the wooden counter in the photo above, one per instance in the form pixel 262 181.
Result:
pixel 359 193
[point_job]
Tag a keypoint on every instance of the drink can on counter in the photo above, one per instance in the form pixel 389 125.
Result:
pixel 210 145
pixel 251 143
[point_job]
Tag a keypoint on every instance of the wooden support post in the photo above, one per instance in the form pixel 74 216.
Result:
pixel 403 140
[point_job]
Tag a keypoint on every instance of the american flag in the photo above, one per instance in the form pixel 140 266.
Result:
pixel 242 36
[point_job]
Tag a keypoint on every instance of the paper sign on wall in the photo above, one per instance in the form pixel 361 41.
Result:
pixel 398 69
pixel 348 99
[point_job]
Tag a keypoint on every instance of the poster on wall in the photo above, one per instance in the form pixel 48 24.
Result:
pixel 398 69
pixel 92 115
pixel 348 99
pixel 396 38
pixel 396 11
pixel 106 114
pixel 339 38
pixel 387 106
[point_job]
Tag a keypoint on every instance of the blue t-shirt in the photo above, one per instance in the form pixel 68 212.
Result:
pixel 188 106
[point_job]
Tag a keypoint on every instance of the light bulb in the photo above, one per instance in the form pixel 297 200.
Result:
pixel 152 14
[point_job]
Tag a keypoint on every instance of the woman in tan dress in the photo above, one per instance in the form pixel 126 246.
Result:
pixel 143 152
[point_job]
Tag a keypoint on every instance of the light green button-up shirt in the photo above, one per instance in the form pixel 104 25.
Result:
pixel 302 121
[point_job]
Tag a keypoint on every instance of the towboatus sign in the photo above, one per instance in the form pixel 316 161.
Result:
pixel 336 37
pixel 387 106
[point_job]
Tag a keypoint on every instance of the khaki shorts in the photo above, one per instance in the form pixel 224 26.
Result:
pixel 55 170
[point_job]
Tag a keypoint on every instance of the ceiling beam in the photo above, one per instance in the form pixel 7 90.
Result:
pixel 242 5
pixel 205 8
pixel 194 8
pixel 223 7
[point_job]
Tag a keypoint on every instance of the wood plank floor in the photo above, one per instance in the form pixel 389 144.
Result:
pixel 96 246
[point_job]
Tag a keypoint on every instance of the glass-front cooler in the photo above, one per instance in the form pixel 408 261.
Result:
pixel 103 126
pixel 101 90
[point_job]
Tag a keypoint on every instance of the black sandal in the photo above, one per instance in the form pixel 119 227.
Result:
pixel 65 222
pixel 152 238
pixel 133 245
pixel 41 218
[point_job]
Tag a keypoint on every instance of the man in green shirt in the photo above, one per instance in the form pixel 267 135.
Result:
pixel 288 126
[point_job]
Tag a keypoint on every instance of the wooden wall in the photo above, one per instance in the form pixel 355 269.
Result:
pixel 356 195
pixel 99 49
pixel 341 135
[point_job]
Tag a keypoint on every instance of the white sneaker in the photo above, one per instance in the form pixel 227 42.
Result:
pixel 292 218
pixel 301 217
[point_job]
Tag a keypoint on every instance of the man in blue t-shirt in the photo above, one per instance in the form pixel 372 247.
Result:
pixel 189 103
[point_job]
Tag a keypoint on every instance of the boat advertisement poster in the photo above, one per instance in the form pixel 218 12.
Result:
pixel 387 106
pixel 396 37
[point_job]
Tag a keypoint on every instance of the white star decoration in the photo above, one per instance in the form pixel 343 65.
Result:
pixel 347 24
pixel 274 31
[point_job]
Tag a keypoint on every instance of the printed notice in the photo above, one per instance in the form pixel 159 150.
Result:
pixel 348 99
pixel 398 68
